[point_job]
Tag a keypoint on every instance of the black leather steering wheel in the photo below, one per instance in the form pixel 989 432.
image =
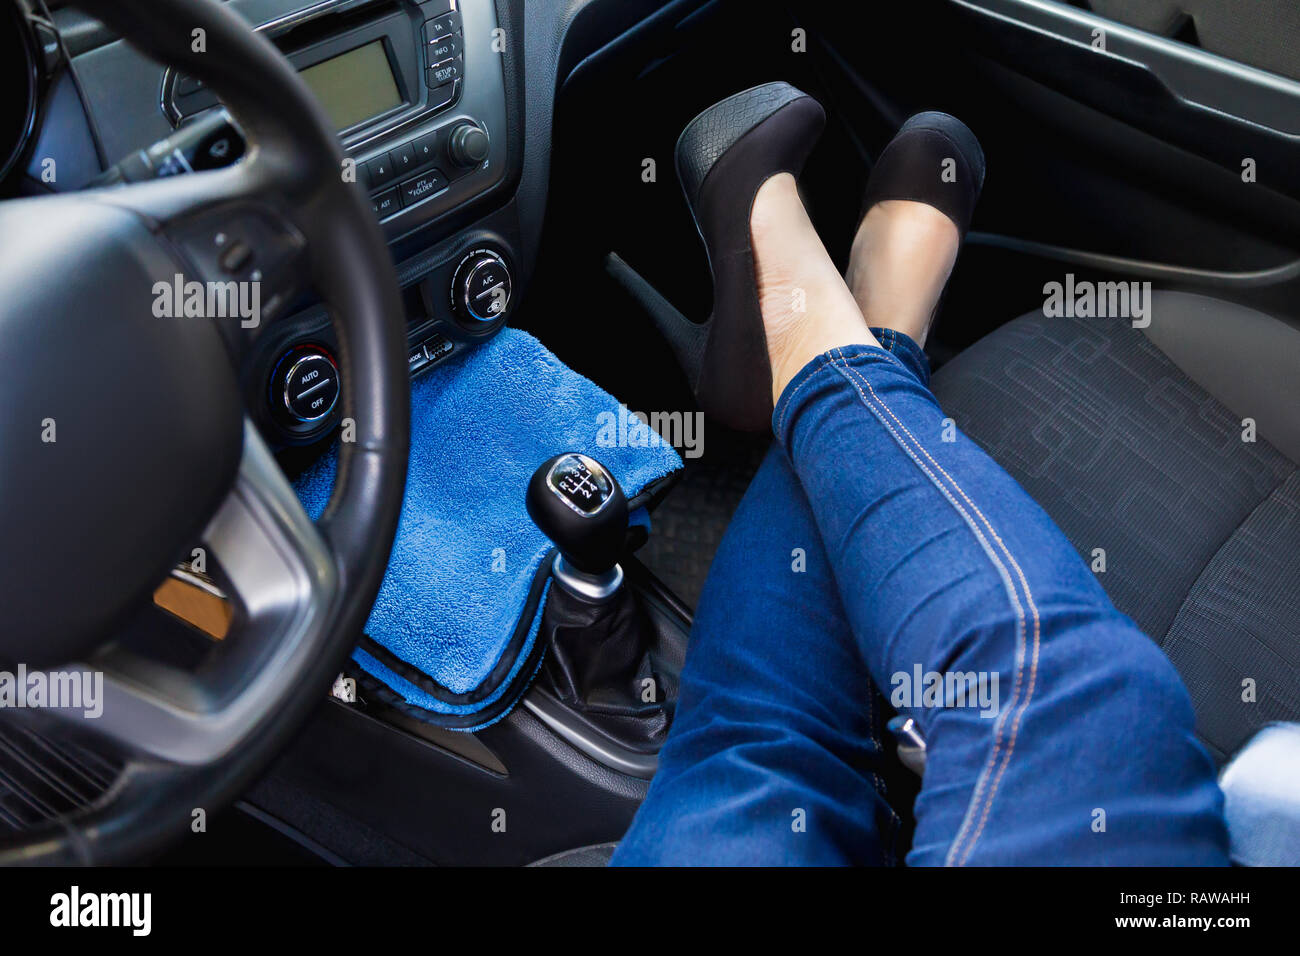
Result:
pixel 125 444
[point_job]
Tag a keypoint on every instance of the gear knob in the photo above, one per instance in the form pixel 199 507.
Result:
pixel 579 505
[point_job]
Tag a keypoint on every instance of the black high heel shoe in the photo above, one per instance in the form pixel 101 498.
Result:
pixel 934 158
pixel 723 156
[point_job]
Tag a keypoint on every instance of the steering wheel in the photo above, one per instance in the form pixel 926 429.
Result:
pixel 125 442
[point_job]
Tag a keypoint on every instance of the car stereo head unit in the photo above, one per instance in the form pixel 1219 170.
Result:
pixel 415 89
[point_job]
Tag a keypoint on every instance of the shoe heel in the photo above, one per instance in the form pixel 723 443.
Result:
pixel 686 338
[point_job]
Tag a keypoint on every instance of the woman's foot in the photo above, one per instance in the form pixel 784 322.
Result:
pixel 902 256
pixel 919 201
pixel 807 309
pixel 725 156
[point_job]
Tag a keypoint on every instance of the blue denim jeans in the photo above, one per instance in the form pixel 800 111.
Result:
pixel 878 543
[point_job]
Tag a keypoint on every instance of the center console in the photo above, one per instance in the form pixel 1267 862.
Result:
pixel 417 91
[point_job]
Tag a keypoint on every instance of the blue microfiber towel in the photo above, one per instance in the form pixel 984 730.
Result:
pixel 453 631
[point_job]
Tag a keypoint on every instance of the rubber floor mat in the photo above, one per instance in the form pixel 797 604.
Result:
pixel 688 525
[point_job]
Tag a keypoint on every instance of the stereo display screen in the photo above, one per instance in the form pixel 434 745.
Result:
pixel 354 86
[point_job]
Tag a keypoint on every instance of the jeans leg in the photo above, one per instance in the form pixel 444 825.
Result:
pixel 774 750
pixel 959 587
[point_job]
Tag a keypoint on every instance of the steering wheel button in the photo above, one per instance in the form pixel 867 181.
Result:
pixel 422 187
pixel 235 257
pixel 186 85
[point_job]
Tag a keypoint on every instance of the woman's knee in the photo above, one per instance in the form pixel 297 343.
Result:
pixel 1135 666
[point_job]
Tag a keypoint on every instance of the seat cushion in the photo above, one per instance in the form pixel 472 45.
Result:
pixel 1140 466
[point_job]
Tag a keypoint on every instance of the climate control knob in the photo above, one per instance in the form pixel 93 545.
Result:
pixel 304 386
pixel 480 289
pixel 467 145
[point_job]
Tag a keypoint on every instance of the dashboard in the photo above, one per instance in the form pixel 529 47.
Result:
pixel 443 109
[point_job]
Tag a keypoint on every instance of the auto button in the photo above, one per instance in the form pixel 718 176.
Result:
pixel 310 386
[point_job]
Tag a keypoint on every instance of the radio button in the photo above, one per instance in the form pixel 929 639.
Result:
pixel 441 49
pixel 446 71
pixel 380 171
pixel 403 159
pixel 442 26
pixel 426 148
pixel 422 187
pixel 386 203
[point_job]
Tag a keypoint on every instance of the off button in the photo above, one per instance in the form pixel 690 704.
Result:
pixel 311 387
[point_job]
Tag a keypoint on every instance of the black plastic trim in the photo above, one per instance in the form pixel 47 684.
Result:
pixel 1255 278
pixel 1206 104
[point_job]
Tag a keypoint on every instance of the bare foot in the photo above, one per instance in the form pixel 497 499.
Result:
pixel 807 309
pixel 902 256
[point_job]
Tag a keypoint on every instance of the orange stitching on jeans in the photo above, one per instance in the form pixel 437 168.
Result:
pixel 1015 727
pixel 1029 598
pixel 1011 591
pixel 789 400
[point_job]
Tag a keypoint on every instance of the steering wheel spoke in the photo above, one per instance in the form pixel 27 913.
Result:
pixel 241 256
pixel 285 585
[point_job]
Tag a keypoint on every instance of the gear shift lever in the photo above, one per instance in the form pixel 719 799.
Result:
pixel 602 656
pixel 579 505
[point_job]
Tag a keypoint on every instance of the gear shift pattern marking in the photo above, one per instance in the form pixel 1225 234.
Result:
pixel 580 483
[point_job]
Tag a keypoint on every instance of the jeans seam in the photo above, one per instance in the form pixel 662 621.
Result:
pixel 825 360
pixel 977 800
pixel 1029 599
pixel 1029 693
pixel 788 400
